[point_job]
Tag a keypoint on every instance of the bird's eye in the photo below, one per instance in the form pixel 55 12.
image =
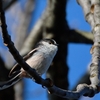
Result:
pixel 50 42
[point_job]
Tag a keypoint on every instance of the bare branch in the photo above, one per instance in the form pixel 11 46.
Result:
pixel 82 89
pixel 78 36
pixel 95 51
pixel 93 17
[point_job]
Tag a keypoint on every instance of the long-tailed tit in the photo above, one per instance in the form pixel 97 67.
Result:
pixel 39 58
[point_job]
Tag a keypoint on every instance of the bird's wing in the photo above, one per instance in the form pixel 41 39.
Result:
pixel 17 67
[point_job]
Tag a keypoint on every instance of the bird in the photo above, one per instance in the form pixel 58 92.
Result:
pixel 40 59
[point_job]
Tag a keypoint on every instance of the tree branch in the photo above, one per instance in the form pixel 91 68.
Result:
pixel 77 36
pixel 82 89
pixel 92 16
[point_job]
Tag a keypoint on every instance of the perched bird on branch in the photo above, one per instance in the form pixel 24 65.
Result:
pixel 39 58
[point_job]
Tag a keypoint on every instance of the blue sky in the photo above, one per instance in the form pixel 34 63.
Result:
pixel 78 54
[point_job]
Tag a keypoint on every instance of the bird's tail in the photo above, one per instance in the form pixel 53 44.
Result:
pixel 9 83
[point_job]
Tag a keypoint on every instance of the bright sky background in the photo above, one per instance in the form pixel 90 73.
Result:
pixel 78 54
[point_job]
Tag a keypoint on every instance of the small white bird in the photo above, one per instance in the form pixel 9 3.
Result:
pixel 39 58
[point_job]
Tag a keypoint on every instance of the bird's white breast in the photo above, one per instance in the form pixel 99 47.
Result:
pixel 42 59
